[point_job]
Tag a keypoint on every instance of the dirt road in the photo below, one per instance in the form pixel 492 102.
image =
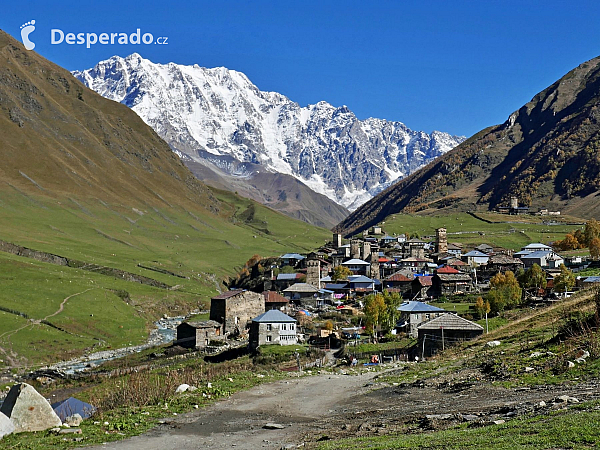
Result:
pixel 336 406
pixel 238 421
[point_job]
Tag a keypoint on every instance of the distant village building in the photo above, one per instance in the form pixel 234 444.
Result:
pixel 445 330
pixel 273 327
pixel 337 240
pixel 355 249
pixel 376 230
pixel 313 272
pixel 421 287
pixel 451 284
pixel 454 250
pixel 357 266
pixel 274 300
pixel 234 309
pixel 198 334
pixel 441 241
pixel 513 207
pixel 399 282
pixel 291 259
pixel 304 294
pixel 546 259
pixel 475 258
pixel 413 314
pixel 502 263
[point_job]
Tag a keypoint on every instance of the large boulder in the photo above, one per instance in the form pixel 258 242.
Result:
pixel 28 410
pixel 6 426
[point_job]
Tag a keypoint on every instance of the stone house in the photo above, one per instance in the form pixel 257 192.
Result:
pixel 274 300
pixel 475 258
pixel 399 282
pixel 198 334
pixel 273 327
pixel 546 259
pixel 421 286
pixel 235 309
pixel 450 283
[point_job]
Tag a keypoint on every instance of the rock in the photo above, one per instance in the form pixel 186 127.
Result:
pixel 70 431
pixel 585 354
pixel 498 422
pixel 542 404
pixel 6 426
pixel 439 416
pixel 529 369
pixel 74 420
pixel 274 426
pixel 570 364
pixel 562 398
pixel 192 388
pixel 469 417
pixel 28 410
pixel 209 385
pixel 536 355
pixel 493 344
pixel 182 388
pixel 580 360
pixel 573 400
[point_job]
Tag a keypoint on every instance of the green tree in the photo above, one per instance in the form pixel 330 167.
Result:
pixel 375 309
pixel 532 279
pixel 565 280
pixel 505 292
pixel 341 273
pixel 592 231
pixel 390 316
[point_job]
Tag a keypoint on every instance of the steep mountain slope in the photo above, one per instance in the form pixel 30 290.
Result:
pixel 208 113
pixel 87 181
pixel 546 154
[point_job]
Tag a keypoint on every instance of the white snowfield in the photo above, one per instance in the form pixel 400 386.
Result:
pixel 219 111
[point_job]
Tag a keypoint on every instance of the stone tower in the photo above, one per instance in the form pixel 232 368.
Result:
pixel 337 240
pixel 355 248
pixel 366 251
pixel 441 241
pixel 313 272
pixel 514 203
pixel 374 273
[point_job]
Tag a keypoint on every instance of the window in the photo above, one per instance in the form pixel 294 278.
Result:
pixel 269 327
pixel 268 338
pixel 292 327
pixel 283 326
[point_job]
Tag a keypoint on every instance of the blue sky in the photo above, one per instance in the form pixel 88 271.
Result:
pixel 451 66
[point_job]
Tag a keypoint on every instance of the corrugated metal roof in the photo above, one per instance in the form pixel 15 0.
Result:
pixel 356 262
pixel 273 316
pixel 414 306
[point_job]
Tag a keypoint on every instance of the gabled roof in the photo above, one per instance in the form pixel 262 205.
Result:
pixel 450 322
pixel 273 316
pixel 424 280
pixel 301 287
pixel 414 306
pixel 288 276
pixel 592 280
pixel 503 259
pixel 293 256
pixel 541 254
pixel 400 277
pixel 360 279
pixel 228 294
pixel 536 246
pixel 356 262
pixel 476 253
pixel 446 269
pixel 454 277
pixel 274 297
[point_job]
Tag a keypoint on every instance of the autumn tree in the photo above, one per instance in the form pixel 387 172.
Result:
pixel 592 231
pixel 390 316
pixel 329 325
pixel 341 273
pixel 505 292
pixel 375 309
pixel 570 242
pixel 595 248
pixel 482 307
pixel 565 280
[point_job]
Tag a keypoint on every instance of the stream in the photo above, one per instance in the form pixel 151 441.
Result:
pixel 164 333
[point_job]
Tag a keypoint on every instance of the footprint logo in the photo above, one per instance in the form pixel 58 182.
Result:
pixel 26 30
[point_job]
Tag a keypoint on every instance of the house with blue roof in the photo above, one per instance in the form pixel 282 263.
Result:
pixel 546 259
pixel 414 313
pixel 475 258
pixel 271 328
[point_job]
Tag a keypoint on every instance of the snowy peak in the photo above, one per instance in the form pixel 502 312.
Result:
pixel 202 112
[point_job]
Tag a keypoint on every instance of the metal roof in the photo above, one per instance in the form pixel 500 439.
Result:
pixel 476 253
pixel 301 287
pixel 360 279
pixel 293 256
pixel 356 262
pixel 273 316
pixel 414 306
pixel 287 276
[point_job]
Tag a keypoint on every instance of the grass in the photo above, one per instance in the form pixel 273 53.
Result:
pixel 104 311
pixel 512 232
pixel 574 428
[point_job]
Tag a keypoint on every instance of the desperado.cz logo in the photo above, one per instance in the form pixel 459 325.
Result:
pixel 58 36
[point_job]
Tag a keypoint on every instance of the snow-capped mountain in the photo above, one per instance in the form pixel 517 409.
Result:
pixel 218 114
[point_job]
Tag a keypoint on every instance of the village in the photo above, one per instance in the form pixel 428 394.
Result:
pixel 321 298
